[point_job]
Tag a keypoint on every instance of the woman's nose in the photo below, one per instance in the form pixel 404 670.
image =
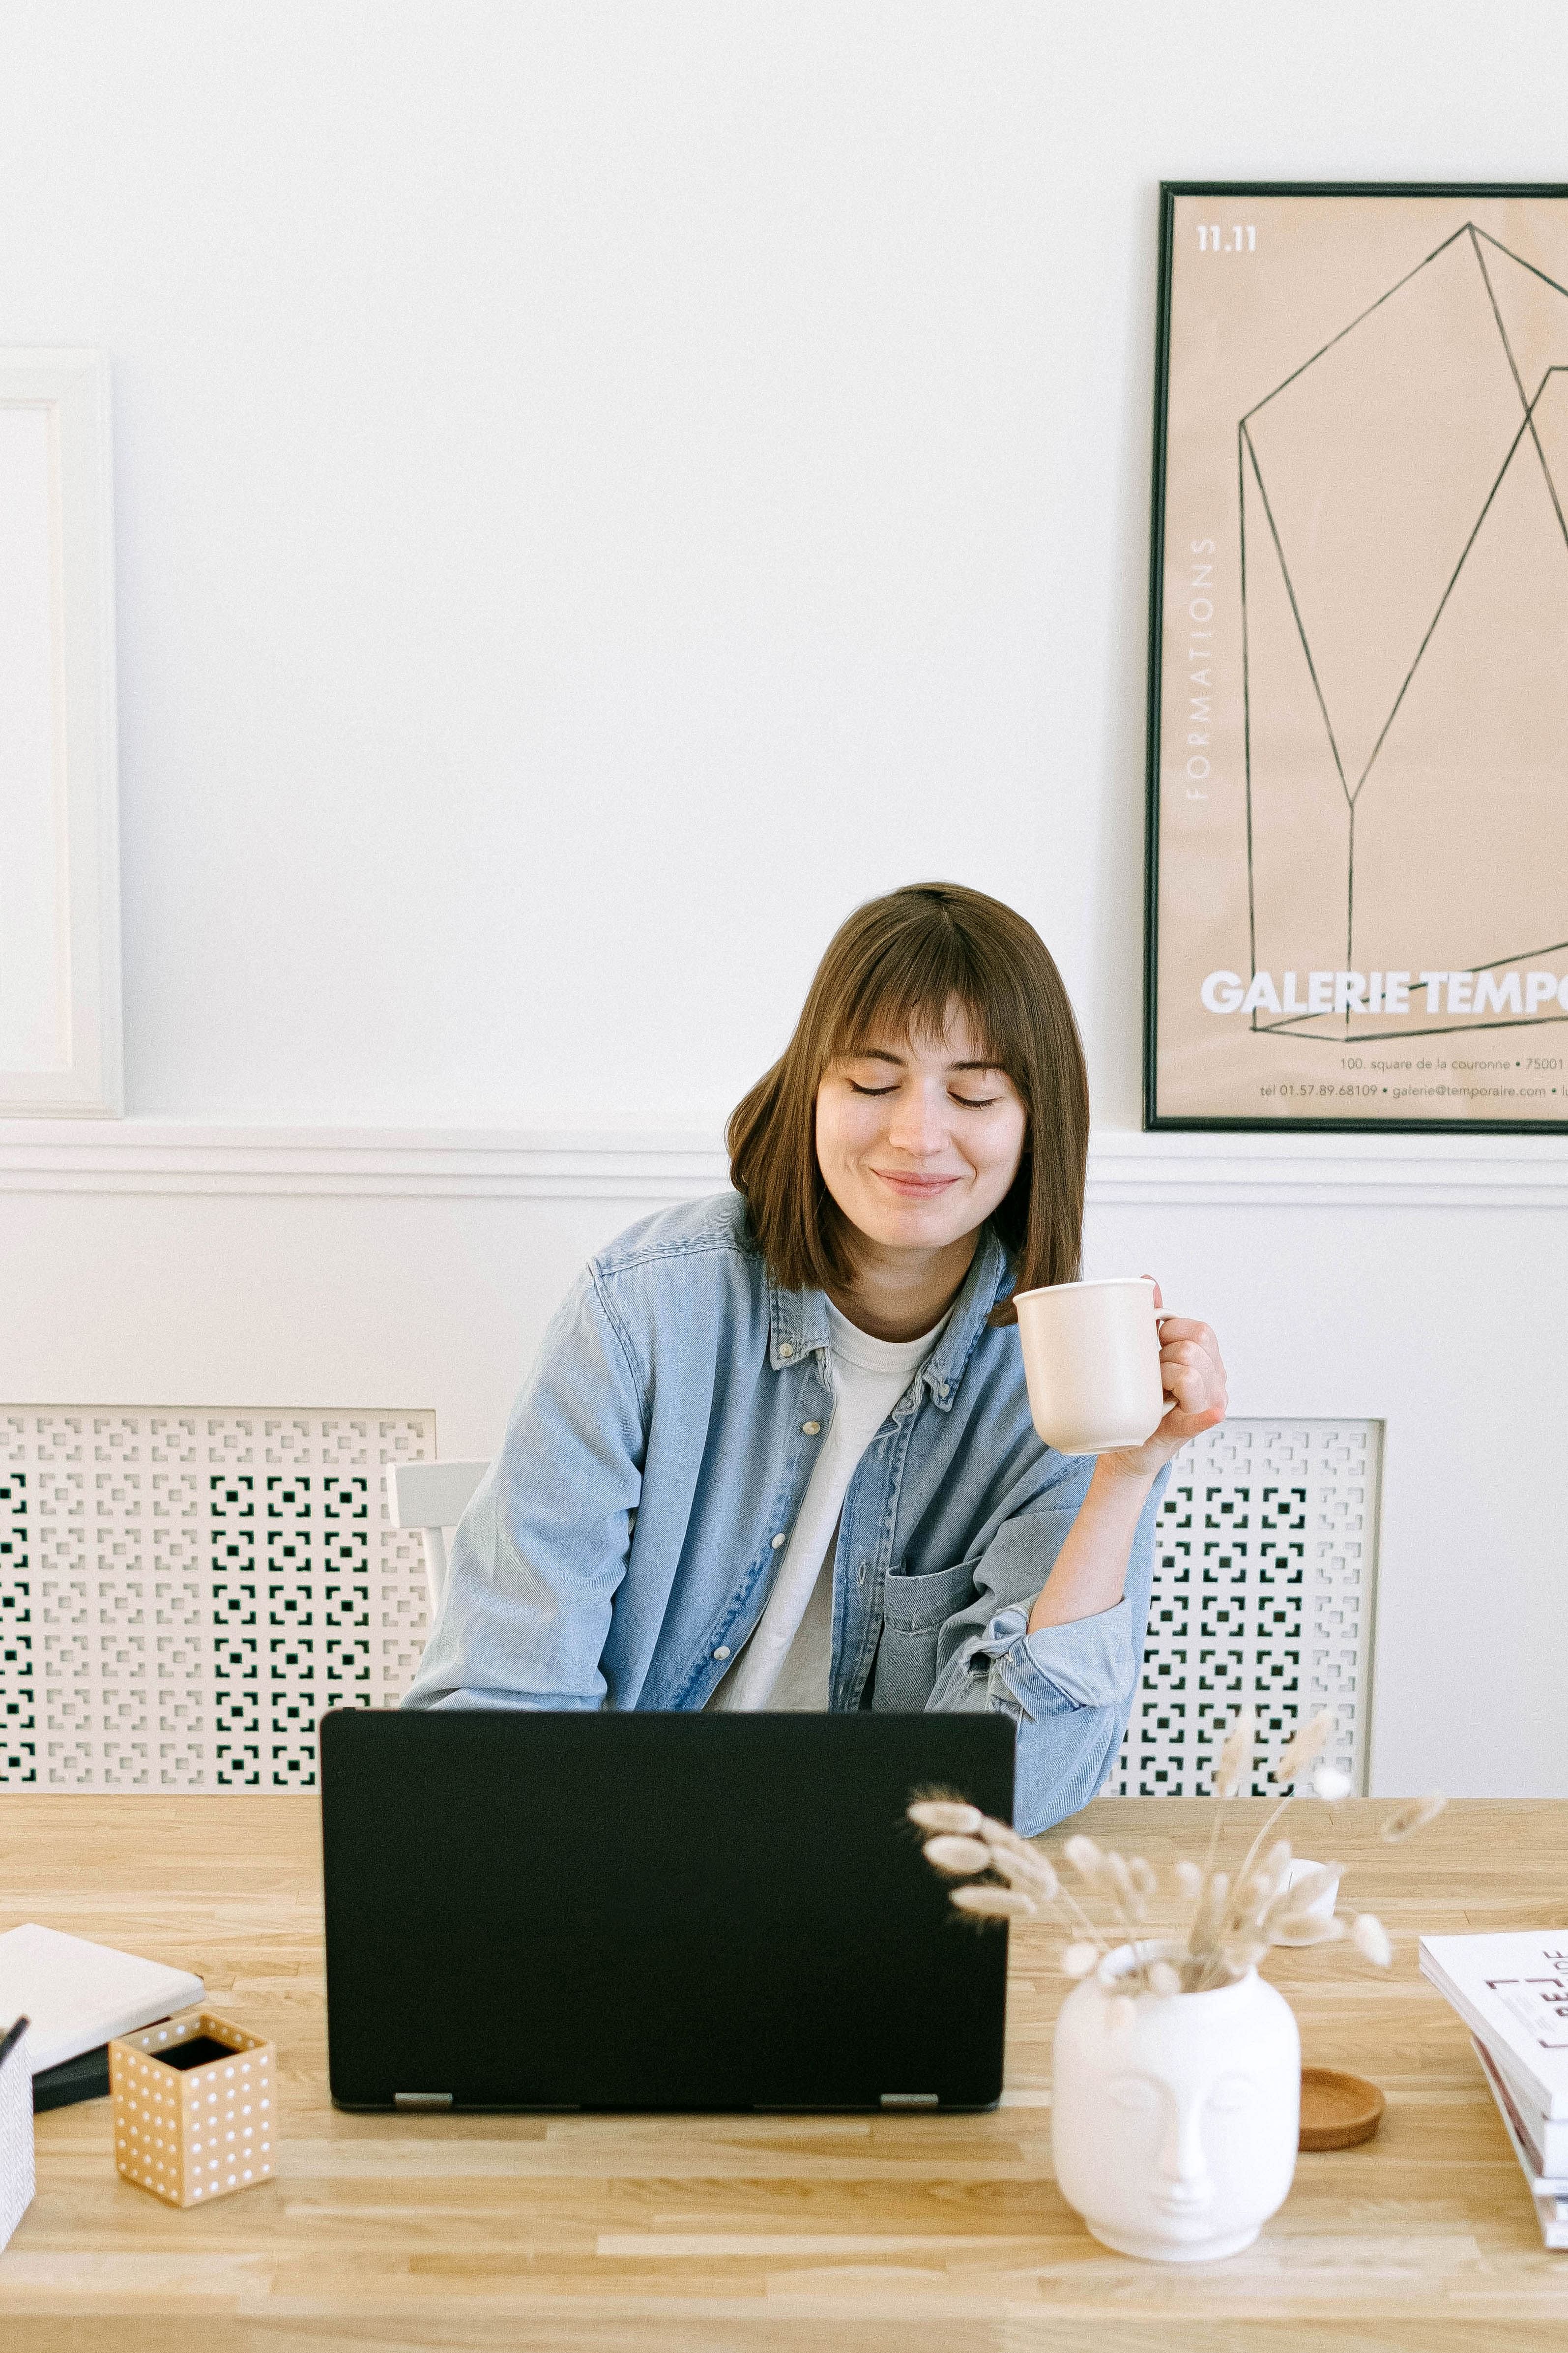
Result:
pixel 1181 2151
pixel 917 1126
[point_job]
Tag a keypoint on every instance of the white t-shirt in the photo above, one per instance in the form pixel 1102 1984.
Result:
pixel 787 1663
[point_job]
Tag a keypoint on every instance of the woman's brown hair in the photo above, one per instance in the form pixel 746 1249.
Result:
pixel 891 972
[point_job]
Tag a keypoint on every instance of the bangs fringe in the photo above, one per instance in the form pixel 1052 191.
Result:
pixel 909 992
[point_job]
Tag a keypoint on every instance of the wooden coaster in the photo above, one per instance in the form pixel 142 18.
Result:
pixel 1338 2111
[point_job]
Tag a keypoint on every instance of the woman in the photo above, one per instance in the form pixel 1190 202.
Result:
pixel 776 1450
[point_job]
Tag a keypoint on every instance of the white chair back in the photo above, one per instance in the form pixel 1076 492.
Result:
pixel 431 1497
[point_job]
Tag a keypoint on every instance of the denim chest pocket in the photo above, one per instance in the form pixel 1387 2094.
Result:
pixel 914 1611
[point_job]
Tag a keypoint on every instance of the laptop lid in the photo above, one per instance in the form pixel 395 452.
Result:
pixel 653 1911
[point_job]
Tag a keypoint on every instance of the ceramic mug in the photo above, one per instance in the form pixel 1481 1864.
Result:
pixel 1092 1358
pixel 1321 1911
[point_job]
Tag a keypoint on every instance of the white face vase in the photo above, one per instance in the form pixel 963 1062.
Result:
pixel 1175 2130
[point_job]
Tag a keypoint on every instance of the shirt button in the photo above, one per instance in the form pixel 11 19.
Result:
pixel 810 1428
pixel 777 1542
pixel 786 1347
pixel 722 1652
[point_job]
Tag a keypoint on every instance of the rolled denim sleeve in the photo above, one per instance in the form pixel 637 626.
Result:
pixel 1089 1663
pixel 1068 1689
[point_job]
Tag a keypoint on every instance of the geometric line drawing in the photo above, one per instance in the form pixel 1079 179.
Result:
pixel 1501 325
pixel 184 1590
pixel 1264 1591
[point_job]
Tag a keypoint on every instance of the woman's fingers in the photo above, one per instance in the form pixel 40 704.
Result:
pixel 1193 1375
pixel 1189 1391
pixel 1183 1327
pixel 1183 1426
pixel 1187 1351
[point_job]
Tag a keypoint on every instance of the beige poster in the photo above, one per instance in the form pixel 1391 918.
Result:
pixel 1360 880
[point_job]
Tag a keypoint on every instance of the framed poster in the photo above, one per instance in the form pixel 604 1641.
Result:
pixel 1358 762
pixel 59 875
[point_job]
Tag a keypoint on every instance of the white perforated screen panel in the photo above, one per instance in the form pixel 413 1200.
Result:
pixel 183 1592
pixel 1265 1566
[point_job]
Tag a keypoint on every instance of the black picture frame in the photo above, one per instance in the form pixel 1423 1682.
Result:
pixel 1153 1118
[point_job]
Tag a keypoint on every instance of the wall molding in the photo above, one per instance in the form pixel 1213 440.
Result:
pixel 1126 1169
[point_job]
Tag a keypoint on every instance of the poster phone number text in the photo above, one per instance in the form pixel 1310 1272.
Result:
pixel 1428 1080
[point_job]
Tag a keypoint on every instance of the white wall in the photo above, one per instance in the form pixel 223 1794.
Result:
pixel 600 491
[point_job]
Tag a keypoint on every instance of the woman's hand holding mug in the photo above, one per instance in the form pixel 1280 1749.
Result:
pixel 1111 1374
pixel 1192 1377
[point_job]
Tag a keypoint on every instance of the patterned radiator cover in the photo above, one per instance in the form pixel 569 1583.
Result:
pixel 1265 1565
pixel 183 1592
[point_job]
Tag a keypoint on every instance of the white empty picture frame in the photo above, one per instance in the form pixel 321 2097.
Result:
pixel 59 865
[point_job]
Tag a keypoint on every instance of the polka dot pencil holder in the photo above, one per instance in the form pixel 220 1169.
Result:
pixel 195 2108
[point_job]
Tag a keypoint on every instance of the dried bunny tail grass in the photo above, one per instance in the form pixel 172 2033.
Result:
pixel 1189 1878
pixel 1330 1782
pixel 986 1903
pixel 1078 1960
pixel 1086 1859
pixel 1302 1928
pixel 1256 1849
pixel 1252 1900
pixel 960 1857
pixel 1415 1816
pixel 1031 1872
pixel 1000 1833
pixel 946 1814
pixel 1305 1750
pixel 1118 1878
pixel 1203 1934
pixel 1243 1954
pixel 1019 1859
pixel 1163 1980
pixel 1144 1876
pixel 1370 1939
pixel 1264 1887
pixel 1276 1861
pixel 1236 1755
pixel 1300 1897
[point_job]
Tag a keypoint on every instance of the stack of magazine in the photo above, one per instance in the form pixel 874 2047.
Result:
pixel 1513 1993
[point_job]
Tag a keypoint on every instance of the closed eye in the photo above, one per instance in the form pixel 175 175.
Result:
pixel 968 1102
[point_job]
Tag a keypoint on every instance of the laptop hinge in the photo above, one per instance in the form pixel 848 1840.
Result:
pixel 910 2099
pixel 422 2099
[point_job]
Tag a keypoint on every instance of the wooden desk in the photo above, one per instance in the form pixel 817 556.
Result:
pixel 747 2234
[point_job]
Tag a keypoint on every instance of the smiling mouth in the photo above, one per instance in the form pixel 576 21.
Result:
pixel 913 1188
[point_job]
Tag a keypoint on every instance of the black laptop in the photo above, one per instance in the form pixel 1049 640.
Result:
pixel 653 1911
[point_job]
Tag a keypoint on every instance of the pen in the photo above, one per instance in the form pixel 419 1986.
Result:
pixel 12 2039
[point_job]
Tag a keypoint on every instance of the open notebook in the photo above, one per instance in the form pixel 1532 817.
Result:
pixel 76 1994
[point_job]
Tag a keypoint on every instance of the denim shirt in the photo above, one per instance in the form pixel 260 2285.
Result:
pixel 622 1545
